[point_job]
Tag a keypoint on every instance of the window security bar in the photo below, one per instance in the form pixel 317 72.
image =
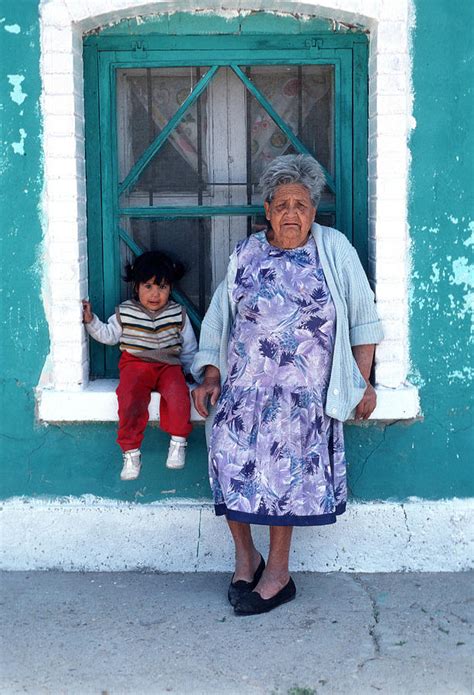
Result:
pixel 205 210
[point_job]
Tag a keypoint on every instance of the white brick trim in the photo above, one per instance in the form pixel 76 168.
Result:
pixel 98 403
pixel 63 23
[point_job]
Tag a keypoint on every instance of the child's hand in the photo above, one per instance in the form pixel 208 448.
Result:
pixel 87 314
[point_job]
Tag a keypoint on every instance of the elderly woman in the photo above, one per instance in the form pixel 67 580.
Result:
pixel 285 356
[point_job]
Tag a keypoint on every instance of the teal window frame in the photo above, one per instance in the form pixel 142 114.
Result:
pixel 104 55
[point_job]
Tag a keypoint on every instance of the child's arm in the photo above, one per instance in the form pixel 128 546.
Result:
pixel 108 333
pixel 189 347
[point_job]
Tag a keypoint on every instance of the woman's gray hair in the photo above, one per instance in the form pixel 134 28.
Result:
pixel 293 168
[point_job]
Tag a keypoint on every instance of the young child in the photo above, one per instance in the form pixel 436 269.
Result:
pixel 157 343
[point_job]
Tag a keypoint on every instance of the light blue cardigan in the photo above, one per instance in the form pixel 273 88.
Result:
pixel 357 322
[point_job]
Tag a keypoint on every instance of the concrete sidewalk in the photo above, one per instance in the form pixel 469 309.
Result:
pixel 114 633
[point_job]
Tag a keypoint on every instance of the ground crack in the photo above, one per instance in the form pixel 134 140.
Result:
pixel 406 524
pixel 375 621
pixel 198 538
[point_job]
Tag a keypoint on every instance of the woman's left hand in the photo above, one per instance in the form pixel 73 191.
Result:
pixel 207 392
pixel 367 405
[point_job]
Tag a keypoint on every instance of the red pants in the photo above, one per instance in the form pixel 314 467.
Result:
pixel 137 380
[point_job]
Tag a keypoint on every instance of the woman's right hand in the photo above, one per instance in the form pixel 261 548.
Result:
pixel 87 314
pixel 208 391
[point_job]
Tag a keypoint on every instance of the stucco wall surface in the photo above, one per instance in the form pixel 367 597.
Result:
pixel 441 216
pixel 429 458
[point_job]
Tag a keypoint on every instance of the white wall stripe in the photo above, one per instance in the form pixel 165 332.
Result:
pixel 91 534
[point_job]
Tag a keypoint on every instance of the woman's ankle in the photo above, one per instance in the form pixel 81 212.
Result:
pixel 246 564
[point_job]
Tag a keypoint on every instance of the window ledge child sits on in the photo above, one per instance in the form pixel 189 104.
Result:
pixel 157 343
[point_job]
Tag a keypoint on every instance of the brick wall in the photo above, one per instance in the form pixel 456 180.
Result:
pixel 63 23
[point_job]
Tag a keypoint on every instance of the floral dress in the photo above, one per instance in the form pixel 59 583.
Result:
pixel 276 458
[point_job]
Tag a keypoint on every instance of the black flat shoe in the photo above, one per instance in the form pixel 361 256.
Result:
pixel 252 603
pixel 240 588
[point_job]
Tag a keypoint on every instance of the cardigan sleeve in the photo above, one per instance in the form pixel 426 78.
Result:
pixel 189 347
pixel 216 325
pixel 211 334
pixel 365 326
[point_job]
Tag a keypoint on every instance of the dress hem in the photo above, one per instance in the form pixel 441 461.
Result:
pixel 283 520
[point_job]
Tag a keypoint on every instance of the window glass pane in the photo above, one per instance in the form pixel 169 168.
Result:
pixel 146 101
pixel 147 98
pixel 327 219
pixel 215 156
pixel 187 240
pixel 303 96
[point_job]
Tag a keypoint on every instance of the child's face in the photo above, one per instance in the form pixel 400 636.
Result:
pixel 152 296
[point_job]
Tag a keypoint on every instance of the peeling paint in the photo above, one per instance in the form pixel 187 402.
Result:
pixel 19 147
pixel 452 303
pixel 12 28
pixel 452 219
pixel 470 240
pixel 337 25
pixel 463 274
pixel 416 379
pixel 434 277
pixel 17 95
pixel 464 374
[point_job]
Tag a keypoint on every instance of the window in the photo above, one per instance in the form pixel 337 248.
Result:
pixel 65 392
pixel 176 139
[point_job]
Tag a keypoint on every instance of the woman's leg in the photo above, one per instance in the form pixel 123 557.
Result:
pixel 276 574
pixel 247 557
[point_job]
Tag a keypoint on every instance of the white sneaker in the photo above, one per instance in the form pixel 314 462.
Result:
pixel 176 454
pixel 132 462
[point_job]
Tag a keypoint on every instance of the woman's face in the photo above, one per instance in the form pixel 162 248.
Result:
pixel 291 214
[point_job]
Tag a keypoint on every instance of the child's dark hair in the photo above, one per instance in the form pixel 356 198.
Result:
pixel 154 264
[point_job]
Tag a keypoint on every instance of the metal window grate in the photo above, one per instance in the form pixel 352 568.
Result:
pixel 185 179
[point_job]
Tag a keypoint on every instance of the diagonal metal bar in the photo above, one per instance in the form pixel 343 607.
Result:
pixel 175 293
pixel 295 141
pixel 132 245
pixel 152 149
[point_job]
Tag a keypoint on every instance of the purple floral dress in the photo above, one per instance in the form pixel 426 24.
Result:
pixel 276 458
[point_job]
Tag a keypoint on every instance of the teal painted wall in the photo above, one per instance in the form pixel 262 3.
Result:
pixel 429 459
pixel 433 458
pixel 38 460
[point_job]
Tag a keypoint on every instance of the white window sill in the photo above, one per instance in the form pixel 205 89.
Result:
pixel 98 403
